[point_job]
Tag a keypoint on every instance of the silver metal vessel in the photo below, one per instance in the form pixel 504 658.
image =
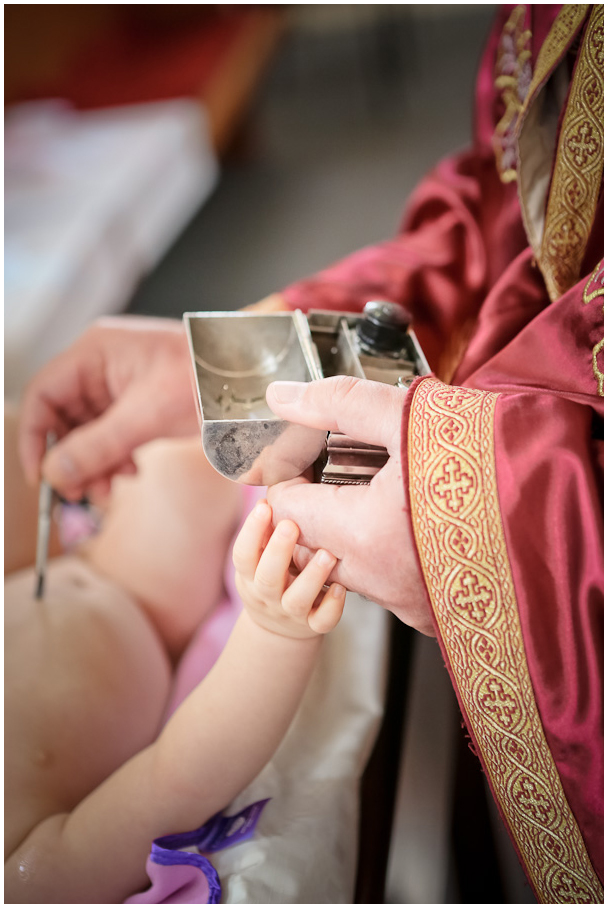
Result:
pixel 236 355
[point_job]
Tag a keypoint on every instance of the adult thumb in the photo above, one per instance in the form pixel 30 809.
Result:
pixel 368 411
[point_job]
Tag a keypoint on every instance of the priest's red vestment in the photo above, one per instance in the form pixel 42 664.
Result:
pixel 499 260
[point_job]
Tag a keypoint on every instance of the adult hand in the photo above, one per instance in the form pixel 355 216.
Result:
pixel 366 527
pixel 126 381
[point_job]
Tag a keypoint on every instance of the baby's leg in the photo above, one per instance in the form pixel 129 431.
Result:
pixel 165 536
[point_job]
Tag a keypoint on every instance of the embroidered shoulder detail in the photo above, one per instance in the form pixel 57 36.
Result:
pixel 460 538
pixel 512 77
pixel 561 36
pixel 595 285
pixel 594 288
pixel 537 126
pixel 579 164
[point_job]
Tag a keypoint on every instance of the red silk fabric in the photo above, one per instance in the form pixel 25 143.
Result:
pixel 549 478
pixel 462 264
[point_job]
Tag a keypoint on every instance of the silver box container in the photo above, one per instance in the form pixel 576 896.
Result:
pixel 236 355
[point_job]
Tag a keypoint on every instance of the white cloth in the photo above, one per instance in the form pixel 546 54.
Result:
pixel 92 201
pixel 304 850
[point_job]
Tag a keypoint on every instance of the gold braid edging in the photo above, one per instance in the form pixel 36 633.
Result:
pixel 577 175
pixel 460 539
pixel 512 75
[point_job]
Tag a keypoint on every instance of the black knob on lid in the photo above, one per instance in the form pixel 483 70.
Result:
pixel 383 328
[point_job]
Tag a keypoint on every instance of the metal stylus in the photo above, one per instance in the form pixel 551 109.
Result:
pixel 45 505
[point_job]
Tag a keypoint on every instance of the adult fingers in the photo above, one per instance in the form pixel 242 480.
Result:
pixel 39 415
pixel 329 516
pixel 33 441
pixel 68 391
pixel 251 540
pixel 300 596
pixel 366 410
pixel 103 445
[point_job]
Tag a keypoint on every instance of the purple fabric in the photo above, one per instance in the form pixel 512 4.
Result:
pixel 188 878
pixel 78 521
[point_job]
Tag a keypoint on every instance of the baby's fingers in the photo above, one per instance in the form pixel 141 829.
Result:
pixel 326 615
pixel 299 598
pixel 273 567
pixel 252 539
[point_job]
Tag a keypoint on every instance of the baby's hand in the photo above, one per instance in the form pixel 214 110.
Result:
pixel 276 596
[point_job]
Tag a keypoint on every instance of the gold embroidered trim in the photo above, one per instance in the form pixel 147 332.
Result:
pixel 597 278
pixel 534 162
pixel 577 175
pixel 561 34
pixel 460 539
pixel 512 77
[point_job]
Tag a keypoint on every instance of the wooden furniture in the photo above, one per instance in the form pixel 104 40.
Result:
pixel 103 55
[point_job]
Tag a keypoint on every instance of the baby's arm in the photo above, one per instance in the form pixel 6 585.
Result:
pixel 213 746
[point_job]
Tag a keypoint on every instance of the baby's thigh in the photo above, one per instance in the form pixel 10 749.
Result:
pixel 86 686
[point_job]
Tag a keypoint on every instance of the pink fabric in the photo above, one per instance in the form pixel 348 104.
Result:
pixel 173 884
pixel 77 523
pixel 208 642
pixel 203 651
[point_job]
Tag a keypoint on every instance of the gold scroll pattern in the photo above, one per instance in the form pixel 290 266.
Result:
pixel 594 288
pixel 577 175
pixel 460 539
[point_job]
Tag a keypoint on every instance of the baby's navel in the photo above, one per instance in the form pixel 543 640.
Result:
pixel 43 758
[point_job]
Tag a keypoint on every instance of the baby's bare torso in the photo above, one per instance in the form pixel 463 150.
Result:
pixel 87 670
pixel 86 685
